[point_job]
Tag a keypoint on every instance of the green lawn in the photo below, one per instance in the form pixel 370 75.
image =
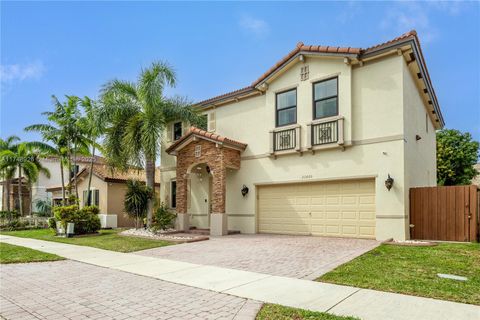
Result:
pixel 107 239
pixel 16 254
pixel 413 271
pixel 276 312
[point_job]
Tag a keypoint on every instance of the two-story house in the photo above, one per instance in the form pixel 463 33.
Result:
pixel 327 142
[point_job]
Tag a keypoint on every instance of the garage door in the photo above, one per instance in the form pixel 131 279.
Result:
pixel 339 208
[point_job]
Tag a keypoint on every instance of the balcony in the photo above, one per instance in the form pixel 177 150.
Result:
pixel 325 133
pixel 285 139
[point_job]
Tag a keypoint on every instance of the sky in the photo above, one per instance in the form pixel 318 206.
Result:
pixel 73 48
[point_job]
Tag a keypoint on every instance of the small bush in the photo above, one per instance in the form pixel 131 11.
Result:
pixel 52 223
pixel 9 215
pixel 164 218
pixel 86 220
pixel 14 224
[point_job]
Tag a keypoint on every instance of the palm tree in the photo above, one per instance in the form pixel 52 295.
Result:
pixel 54 135
pixel 92 123
pixel 65 133
pixel 8 173
pixel 25 160
pixel 137 115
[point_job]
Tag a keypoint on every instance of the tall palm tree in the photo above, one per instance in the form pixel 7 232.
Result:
pixel 54 136
pixel 25 160
pixel 67 132
pixel 10 143
pixel 93 124
pixel 137 115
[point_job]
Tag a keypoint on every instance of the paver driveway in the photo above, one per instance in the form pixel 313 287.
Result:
pixel 281 255
pixel 74 290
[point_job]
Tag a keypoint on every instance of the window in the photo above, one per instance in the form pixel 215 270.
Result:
pixel 286 112
pixel 74 170
pixel 173 194
pixel 94 196
pixel 325 98
pixel 211 121
pixel 177 130
pixel 204 124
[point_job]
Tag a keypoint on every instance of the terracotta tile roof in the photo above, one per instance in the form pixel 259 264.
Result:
pixel 301 47
pixel 105 173
pixel 205 134
pixel 409 34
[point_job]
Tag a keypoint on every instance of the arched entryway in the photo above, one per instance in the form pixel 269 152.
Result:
pixel 198 148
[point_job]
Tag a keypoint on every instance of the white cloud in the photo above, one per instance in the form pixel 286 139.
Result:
pixel 21 72
pixel 407 16
pixel 253 25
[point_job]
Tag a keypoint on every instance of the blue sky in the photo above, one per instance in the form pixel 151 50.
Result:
pixel 75 47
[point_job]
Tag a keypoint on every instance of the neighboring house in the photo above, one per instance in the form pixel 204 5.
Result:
pixel 39 188
pixel 108 190
pixel 476 179
pixel 308 147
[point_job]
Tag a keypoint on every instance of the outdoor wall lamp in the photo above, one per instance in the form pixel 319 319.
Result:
pixel 244 190
pixel 389 182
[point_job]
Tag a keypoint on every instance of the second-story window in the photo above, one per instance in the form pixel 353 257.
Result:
pixel 177 131
pixel 325 98
pixel 286 108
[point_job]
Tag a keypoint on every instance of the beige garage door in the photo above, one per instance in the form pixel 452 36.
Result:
pixel 338 208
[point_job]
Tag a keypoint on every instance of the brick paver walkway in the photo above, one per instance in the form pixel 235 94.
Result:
pixel 74 290
pixel 288 256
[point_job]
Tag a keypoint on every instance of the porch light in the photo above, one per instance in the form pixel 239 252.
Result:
pixel 244 190
pixel 389 182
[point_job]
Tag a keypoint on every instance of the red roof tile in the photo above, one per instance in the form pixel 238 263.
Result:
pixel 205 134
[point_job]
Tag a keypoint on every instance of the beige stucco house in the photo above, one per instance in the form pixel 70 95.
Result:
pixel 108 190
pixel 308 148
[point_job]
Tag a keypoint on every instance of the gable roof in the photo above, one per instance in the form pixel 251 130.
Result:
pixel 357 54
pixel 105 173
pixel 210 136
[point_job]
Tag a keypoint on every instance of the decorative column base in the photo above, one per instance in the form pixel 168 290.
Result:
pixel 218 224
pixel 182 222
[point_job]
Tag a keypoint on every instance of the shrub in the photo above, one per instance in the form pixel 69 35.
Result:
pixel 14 224
pixel 164 218
pixel 44 208
pixel 52 223
pixel 9 215
pixel 86 220
pixel 136 200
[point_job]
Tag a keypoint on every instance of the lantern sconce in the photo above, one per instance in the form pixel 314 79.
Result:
pixel 244 190
pixel 389 182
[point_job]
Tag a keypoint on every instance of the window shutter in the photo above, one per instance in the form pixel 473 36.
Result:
pixel 85 197
pixel 185 127
pixel 96 197
pixel 211 121
pixel 169 132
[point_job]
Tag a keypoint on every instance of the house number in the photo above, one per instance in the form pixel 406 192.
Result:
pixel 307 176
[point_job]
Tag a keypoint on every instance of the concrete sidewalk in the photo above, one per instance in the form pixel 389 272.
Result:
pixel 315 296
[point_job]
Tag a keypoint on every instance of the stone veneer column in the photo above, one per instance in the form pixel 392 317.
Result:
pixel 182 222
pixel 218 217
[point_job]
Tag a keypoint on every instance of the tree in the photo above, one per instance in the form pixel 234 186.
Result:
pixel 10 143
pixel 25 160
pixel 136 115
pixel 66 134
pixel 456 155
pixel 92 123
pixel 136 200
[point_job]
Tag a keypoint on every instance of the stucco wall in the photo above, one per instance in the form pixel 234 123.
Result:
pixel 420 155
pixel 371 99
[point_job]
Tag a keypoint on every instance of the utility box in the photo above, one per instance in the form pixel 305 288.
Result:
pixel 108 221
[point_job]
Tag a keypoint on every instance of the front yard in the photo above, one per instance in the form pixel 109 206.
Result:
pixel 277 312
pixel 15 254
pixel 413 271
pixel 106 239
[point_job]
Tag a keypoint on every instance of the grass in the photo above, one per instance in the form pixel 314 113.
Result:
pixel 277 312
pixel 107 239
pixel 16 254
pixel 413 271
